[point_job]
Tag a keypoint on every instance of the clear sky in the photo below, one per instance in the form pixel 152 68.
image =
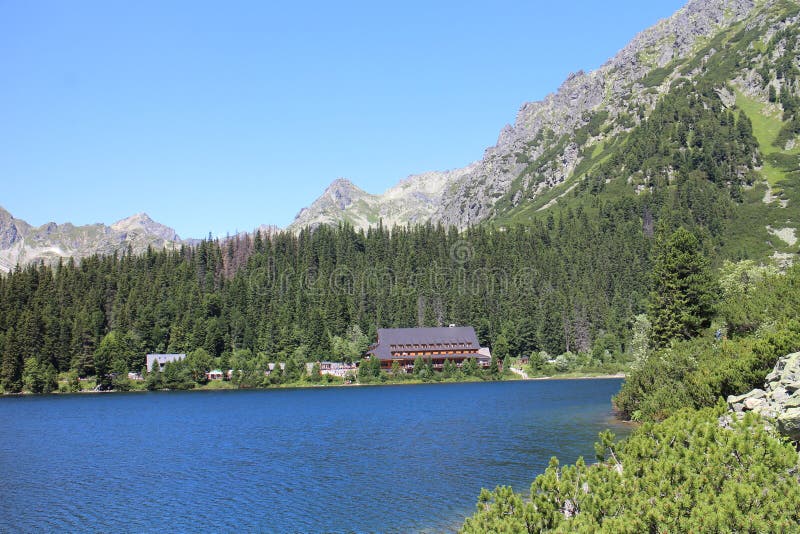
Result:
pixel 220 116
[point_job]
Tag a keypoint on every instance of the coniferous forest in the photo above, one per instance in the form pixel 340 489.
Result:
pixel 296 297
pixel 571 282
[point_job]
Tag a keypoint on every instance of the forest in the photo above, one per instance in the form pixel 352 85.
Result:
pixel 571 282
pixel 712 328
pixel 322 295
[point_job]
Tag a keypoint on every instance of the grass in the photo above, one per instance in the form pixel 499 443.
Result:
pixel 753 216
pixel 219 385
pixel 598 149
pixel 766 127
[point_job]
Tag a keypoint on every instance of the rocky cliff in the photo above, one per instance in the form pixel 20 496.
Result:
pixel 548 140
pixel 541 149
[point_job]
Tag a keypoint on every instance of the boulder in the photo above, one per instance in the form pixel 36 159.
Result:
pixel 754 403
pixel 789 423
pixel 767 412
pixel 793 401
pixel 780 403
pixel 774 376
pixel 792 386
pixel 779 394
pixel 737 399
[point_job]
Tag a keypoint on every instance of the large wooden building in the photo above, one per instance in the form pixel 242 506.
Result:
pixel 404 345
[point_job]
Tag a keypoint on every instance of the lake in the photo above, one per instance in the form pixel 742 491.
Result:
pixel 347 459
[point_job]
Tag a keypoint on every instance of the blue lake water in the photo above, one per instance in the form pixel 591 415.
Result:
pixel 360 459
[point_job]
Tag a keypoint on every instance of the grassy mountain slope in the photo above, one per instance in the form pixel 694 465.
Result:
pixel 739 64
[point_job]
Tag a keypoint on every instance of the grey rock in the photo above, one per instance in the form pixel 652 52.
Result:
pixel 791 387
pixel 725 421
pixel 754 403
pixel 737 399
pixel 20 243
pixel 774 376
pixel 789 377
pixel 789 423
pixel 413 200
pixel 793 401
pixel 781 405
pixel 767 412
pixel 143 224
pixel 779 395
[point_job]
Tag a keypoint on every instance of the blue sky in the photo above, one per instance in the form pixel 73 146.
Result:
pixel 220 116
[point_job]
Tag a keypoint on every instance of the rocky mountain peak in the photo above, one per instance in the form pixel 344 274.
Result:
pixel 10 232
pixel 141 222
pixel 615 88
pixel 413 200
pixel 543 129
pixel 21 243
pixel 342 192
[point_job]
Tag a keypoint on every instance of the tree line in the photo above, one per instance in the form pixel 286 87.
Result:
pixel 570 282
pixel 322 294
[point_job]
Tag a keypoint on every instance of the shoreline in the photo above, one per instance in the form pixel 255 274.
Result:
pixel 582 377
pixel 516 378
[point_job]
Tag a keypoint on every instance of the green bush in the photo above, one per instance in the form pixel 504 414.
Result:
pixel 685 474
pixel 697 373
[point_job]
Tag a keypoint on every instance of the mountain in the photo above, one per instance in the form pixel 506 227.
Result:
pixel 547 143
pixel 142 224
pixel 600 138
pixel 414 200
pixel 22 243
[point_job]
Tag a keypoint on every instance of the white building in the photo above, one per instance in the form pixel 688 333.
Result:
pixel 339 369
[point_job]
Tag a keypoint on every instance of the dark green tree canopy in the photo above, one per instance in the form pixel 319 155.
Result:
pixel 682 300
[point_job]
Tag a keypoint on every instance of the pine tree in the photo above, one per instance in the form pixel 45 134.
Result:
pixel 154 379
pixel 681 303
pixel 12 364
pixel 470 367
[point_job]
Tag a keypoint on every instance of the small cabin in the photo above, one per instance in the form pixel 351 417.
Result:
pixel 215 374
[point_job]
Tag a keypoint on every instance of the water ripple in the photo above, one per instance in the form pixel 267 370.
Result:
pixel 390 459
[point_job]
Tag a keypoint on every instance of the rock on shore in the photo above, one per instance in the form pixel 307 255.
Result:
pixel 779 401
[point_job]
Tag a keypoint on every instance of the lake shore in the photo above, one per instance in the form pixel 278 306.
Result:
pixel 577 377
pixel 227 386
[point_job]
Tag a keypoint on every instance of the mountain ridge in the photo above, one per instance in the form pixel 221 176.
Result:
pixel 414 199
pixel 469 194
pixel 22 243
pixel 541 159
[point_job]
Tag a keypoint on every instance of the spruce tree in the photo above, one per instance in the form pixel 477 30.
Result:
pixel 681 303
